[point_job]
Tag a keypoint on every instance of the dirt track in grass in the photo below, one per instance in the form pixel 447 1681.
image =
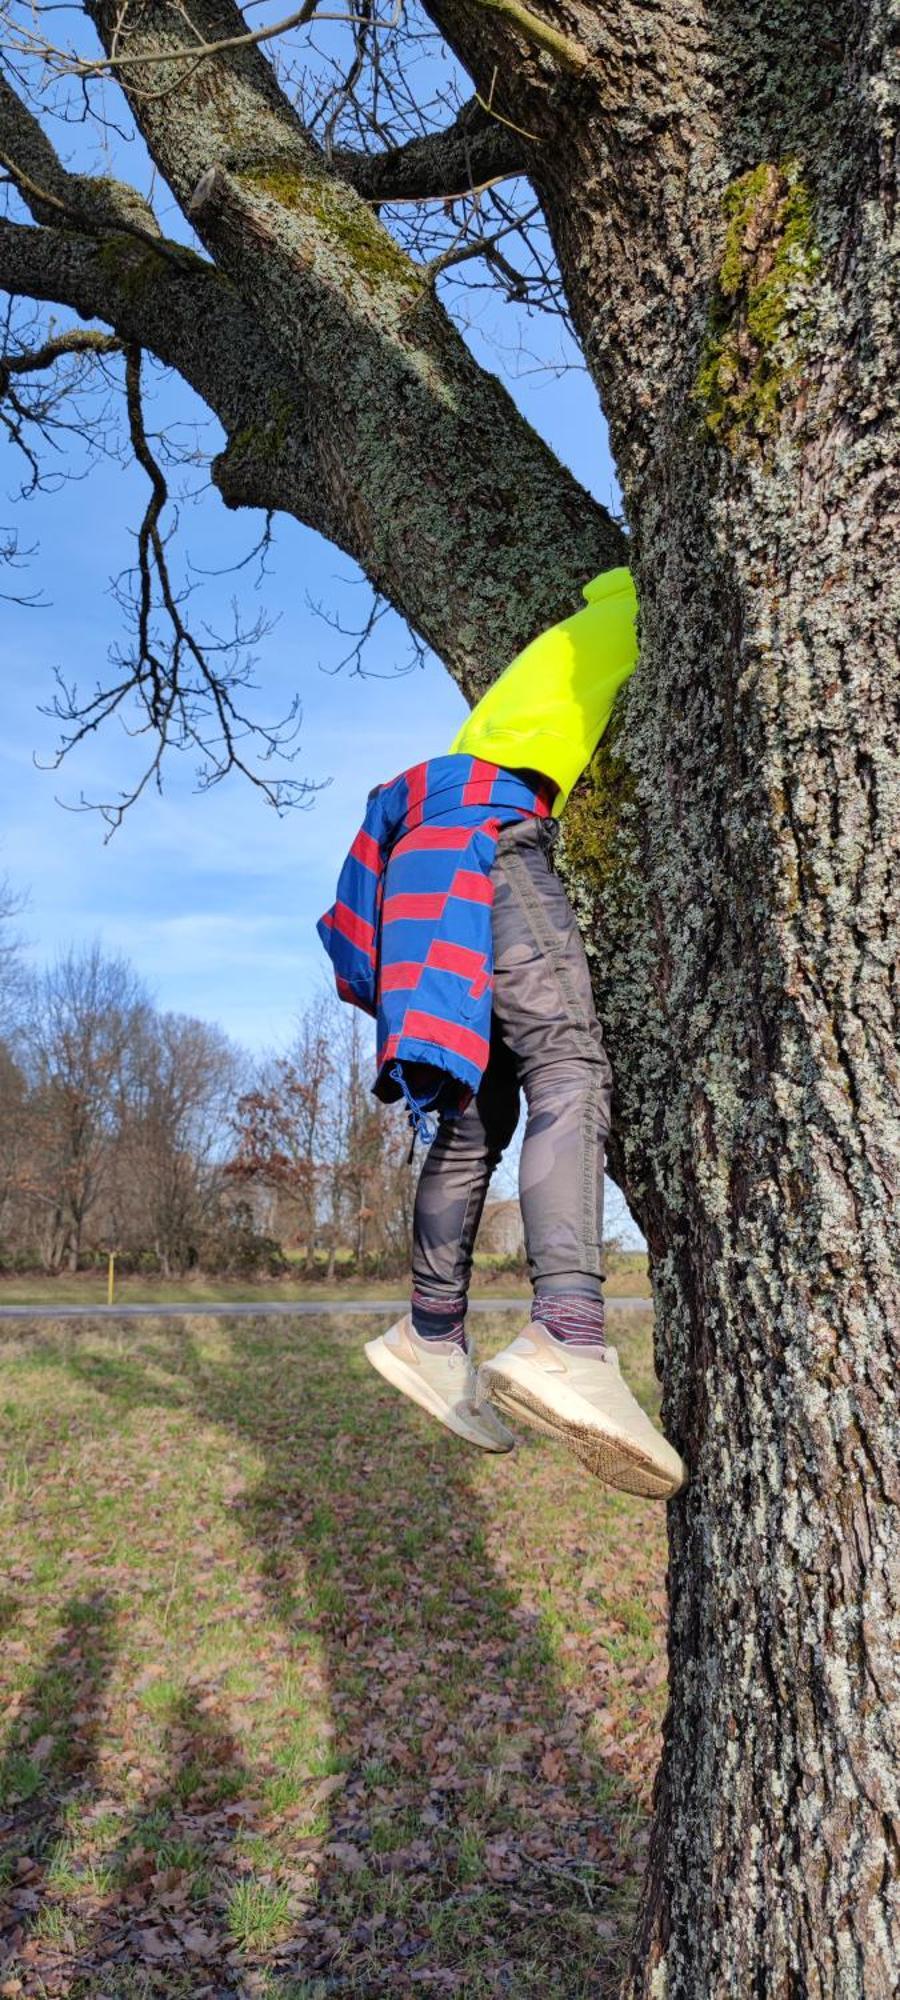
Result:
pixel 301 1696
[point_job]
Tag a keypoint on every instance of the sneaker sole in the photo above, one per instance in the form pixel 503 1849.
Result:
pixel 398 1373
pixel 606 1454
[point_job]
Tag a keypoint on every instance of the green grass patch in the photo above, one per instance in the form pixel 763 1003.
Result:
pixel 299 1695
pixel 258 1915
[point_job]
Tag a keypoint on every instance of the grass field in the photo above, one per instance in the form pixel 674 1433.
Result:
pixel 301 1697
pixel 627 1280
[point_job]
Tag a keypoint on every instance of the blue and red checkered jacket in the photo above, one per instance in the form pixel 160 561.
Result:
pixel 409 934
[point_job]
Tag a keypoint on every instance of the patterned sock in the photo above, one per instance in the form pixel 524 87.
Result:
pixel 443 1319
pixel 571 1316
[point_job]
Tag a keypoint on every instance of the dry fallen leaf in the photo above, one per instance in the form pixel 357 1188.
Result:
pixel 346 1856
pixel 152 1944
pixel 325 1788
pixel 198 1942
pixel 553 1766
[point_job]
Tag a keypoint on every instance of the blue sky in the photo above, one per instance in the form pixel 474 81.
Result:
pixel 212 896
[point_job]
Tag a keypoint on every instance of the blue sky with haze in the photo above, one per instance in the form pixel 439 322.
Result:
pixel 212 896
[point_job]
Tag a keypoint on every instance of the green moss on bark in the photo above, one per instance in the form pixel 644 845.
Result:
pixel 267 440
pixel 340 216
pixel 594 832
pixel 136 267
pixel 761 307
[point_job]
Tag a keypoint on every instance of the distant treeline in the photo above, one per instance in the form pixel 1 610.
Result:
pixel 123 1128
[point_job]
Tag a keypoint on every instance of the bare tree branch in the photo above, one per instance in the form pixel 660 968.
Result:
pixel 29 410
pixel 42 202
pixel 361 635
pixel 266 463
pixel 64 62
pixel 14 557
pixel 78 340
pixel 186 699
pixel 473 152
pixel 91 201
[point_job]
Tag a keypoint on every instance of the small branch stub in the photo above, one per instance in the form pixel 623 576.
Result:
pixel 204 196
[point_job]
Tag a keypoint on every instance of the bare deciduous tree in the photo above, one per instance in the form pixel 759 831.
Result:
pixel 280 1123
pixel 13 978
pixel 310 1133
pixel 181 1084
pixel 78 1037
pixel 13 1139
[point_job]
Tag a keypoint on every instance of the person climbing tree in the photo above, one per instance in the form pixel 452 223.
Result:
pixel 452 926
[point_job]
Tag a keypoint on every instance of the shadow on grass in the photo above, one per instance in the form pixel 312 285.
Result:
pixel 53 1733
pixel 474 1845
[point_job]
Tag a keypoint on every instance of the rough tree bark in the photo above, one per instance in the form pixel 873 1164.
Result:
pixel 720 184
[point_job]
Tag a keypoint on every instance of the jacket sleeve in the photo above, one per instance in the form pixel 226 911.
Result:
pixel 349 930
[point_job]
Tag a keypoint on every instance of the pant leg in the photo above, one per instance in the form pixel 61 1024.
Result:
pixel 454 1180
pixel 544 1008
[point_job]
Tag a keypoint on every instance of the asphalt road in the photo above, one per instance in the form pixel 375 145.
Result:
pixel 294 1309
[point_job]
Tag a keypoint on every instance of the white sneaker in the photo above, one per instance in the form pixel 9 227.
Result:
pixel 441 1378
pixel 576 1392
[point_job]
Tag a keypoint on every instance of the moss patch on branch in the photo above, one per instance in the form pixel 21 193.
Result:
pixel 340 216
pixel 761 308
pixel 137 267
pixel 265 442
pixel 594 830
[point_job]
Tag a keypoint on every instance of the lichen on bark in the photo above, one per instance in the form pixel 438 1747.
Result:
pixel 762 305
pixel 338 216
pixel 596 829
pixel 136 267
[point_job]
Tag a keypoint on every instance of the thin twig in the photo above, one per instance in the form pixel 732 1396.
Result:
pixel 462 194
pixel 79 340
pixel 487 104
pixel 178 685
pixel 305 16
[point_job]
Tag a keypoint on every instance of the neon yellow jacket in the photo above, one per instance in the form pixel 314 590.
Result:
pixel 548 709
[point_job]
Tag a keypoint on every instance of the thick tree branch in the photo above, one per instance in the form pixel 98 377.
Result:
pixel 83 213
pixel 395 403
pixel 475 150
pixel 22 138
pixel 91 201
pixel 193 320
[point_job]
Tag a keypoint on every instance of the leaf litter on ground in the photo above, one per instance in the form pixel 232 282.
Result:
pixel 300 1697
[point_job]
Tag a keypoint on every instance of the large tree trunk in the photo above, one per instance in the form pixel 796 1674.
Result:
pixel 746 862
pixel 721 185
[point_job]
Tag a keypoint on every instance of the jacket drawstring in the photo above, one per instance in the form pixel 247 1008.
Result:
pixel 418 1117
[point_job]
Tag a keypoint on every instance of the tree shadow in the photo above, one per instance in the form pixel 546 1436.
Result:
pixel 49 1763
pixel 141 1922
pixel 474 1842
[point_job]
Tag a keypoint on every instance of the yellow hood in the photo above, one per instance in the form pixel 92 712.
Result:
pixel 548 709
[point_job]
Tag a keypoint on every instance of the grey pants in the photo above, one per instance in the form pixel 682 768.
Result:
pixel 545 1039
